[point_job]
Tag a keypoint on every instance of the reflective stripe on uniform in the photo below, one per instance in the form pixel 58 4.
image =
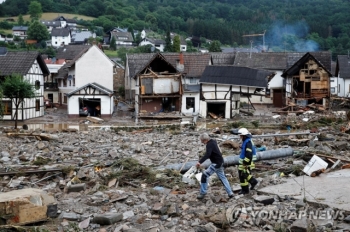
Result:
pixel 248 149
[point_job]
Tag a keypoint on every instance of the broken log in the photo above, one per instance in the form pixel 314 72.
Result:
pixel 41 136
pixel 246 112
pixel 141 131
pixel 29 172
pixel 213 115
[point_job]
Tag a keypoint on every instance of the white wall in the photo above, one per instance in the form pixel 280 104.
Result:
pixel 276 81
pixel 94 66
pixel 165 85
pixel 107 104
pixel 56 41
pixel 334 85
pixel 203 107
pixel 196 103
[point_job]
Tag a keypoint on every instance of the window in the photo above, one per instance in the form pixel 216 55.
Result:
pixel 332 89
pixel 192 80
pixel 37 85
pixel 65 99
pixel 37 105
pixel 190 103
pixel 7 107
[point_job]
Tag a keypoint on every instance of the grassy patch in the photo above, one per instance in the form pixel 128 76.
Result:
pixel 111 53
pixel 41 161
pixel 131 171
pixel 51 16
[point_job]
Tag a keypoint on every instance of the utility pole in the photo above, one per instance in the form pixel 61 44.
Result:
pixel 254 35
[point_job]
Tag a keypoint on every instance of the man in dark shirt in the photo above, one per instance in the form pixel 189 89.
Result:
pixel 217 166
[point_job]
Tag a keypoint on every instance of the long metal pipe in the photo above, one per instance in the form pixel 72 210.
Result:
pixel 233 160
pixel 273 135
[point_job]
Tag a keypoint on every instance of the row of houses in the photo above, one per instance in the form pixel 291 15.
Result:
pixel 84 78
pixel 220 82
pixel 64 31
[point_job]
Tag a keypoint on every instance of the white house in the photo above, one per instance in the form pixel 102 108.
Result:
pixel 91 66
pixel 31 66
pixel 121 38
pixel 157 43
pixel 91 99
pixel 60 22
pixel 340 83
pixel 60 36
pixel 20 31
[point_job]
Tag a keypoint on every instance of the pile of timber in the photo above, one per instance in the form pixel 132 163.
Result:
pixel 294 108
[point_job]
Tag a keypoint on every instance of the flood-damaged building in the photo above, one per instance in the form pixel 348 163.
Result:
pixel 159 87
pixel 189 65
pixel 223 86
pixel 278 88
pixel 308 80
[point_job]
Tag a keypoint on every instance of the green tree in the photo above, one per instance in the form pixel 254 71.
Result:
pixel 17 90
pixel 1 105
pixel 20 20
pixel 38 31
pixel 168 47
pixel 35 10
pixel 112 44
pixel 176 44
pixel 215 46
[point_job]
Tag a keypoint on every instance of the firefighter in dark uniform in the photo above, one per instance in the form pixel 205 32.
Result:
pixel 246 162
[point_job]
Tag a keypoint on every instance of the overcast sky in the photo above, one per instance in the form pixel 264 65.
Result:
pixel 1 1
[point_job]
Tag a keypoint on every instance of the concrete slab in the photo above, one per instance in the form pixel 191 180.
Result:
pixel 326 189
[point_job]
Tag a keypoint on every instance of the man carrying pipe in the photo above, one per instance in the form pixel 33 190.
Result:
pixel 217 165
pixel 245 161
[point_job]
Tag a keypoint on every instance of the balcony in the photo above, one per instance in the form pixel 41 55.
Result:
pixel 51 86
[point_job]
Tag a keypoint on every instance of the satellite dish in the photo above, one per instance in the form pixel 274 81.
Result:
pixel 70 77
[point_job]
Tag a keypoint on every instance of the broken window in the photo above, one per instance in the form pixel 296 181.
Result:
pixel 7 107
pixel 190 103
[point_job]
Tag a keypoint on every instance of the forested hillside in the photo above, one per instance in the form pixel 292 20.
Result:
pixel 289 24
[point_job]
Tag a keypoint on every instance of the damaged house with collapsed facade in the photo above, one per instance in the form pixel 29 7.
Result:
pixel 279 87
pixel 171 98
pixel 308 81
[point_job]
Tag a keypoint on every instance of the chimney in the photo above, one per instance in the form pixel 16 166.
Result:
pixel 180 63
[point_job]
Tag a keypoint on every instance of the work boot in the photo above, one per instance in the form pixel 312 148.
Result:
pixel 231 196
pixel 245 190
pixel 253 183
pixel 200 196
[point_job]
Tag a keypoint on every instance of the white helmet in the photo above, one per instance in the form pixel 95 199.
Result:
pixel 243 131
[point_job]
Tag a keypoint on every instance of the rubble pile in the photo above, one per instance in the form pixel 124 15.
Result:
pixel 108 179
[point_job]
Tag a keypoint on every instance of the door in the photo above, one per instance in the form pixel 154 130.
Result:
pixel 278 97
pixel 50 97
